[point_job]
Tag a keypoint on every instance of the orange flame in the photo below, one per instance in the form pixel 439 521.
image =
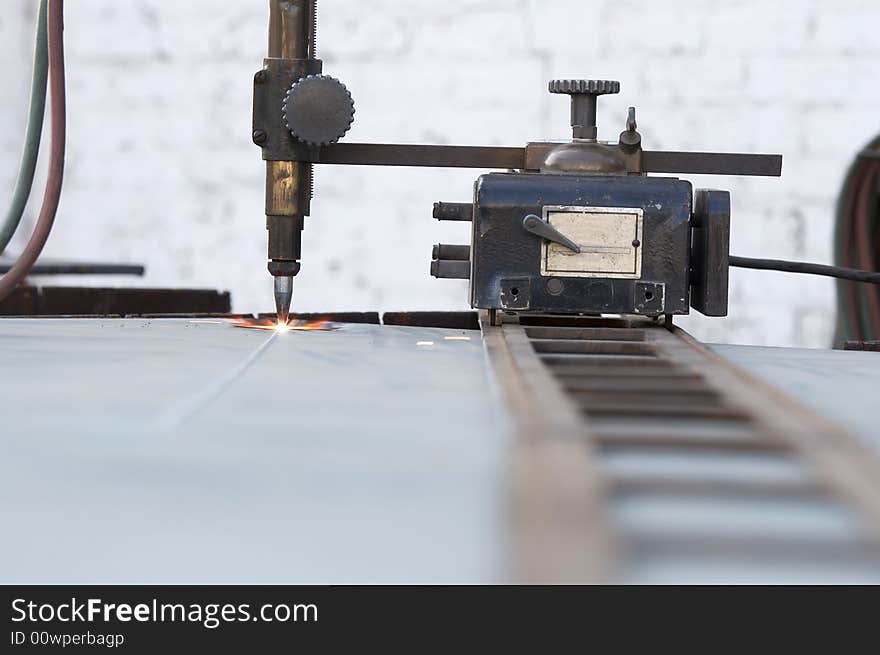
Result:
pixel 293 325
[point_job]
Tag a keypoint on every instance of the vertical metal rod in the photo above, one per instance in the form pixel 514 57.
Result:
pixel 274 49
pixel 292 36
pixel 289 29
pixel 583 116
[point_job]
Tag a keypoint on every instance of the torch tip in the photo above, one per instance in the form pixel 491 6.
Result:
pixel 283 298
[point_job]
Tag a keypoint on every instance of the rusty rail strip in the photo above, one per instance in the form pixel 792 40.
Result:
pixel 588 394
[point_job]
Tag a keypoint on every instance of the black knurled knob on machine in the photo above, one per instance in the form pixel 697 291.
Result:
pixel 318 109
pixel 583 103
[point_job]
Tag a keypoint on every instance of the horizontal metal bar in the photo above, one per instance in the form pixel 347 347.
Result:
pixel 452 270
pixel 709 486
pixel 680 434
pixel 82 301
pixel 862 345
pixel 397 154
pixel 77 268
pixel 655 386
pixel 583 321
pixel 452 252
pixel 711 163
pixel 678 403
pixel 660 410
pixel 450 320
pixel 568 359
pixel 454 211
pixel 661 374
pixel 859 551
pixel 595 334
pixel 595 347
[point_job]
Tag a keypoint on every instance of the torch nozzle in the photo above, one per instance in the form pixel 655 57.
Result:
pixel 283 297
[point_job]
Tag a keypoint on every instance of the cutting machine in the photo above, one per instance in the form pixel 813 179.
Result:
pixel 574 227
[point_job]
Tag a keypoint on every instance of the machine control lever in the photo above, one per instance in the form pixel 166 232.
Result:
pixel 541 228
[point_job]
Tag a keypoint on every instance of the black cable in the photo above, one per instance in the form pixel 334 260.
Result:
pixel 805 267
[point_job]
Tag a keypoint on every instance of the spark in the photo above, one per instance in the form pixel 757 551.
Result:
pixel 282 328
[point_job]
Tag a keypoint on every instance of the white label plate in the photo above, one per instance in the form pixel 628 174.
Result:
pixel 607 237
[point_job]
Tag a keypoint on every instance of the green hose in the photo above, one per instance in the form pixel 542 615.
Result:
pixel 37 110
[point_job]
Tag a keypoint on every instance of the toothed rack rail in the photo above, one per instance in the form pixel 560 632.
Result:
pixel 637 444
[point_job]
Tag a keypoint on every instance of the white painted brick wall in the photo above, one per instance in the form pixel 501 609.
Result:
pixel 161 169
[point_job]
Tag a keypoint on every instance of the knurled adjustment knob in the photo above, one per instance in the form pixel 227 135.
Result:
pixel 318 109
pixel 593 87
pixel 583 103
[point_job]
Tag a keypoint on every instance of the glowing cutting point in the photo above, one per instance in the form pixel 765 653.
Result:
pixel 282 327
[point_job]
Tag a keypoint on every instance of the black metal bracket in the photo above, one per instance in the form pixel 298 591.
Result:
pixel 710 252
pixel 284 147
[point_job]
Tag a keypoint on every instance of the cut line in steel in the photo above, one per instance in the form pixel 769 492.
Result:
pixel 177 417
pixel 173 419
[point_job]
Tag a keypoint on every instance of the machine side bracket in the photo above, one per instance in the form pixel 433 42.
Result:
pixel 710 252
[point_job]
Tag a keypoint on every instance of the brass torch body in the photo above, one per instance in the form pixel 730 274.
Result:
pixel 288 183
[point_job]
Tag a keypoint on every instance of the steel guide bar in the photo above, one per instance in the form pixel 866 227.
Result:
pixel 514 158
pixel 581 387
pixel 559 530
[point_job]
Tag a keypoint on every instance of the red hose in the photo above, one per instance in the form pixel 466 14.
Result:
pixel 864 254
pixel 850 290
pixel 52 196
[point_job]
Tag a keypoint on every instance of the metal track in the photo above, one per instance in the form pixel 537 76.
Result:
pixel 640 455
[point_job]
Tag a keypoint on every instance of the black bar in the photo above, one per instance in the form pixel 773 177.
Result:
pixel 451 320
pixel 394 154
pixel 250 619
pixel 94 301
pixel 710 252
pixel 451 270
pixel 78 268
pixel 711 163
pixel 453 211
pixel 452 252
pixel 862 345
pixel 656 161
